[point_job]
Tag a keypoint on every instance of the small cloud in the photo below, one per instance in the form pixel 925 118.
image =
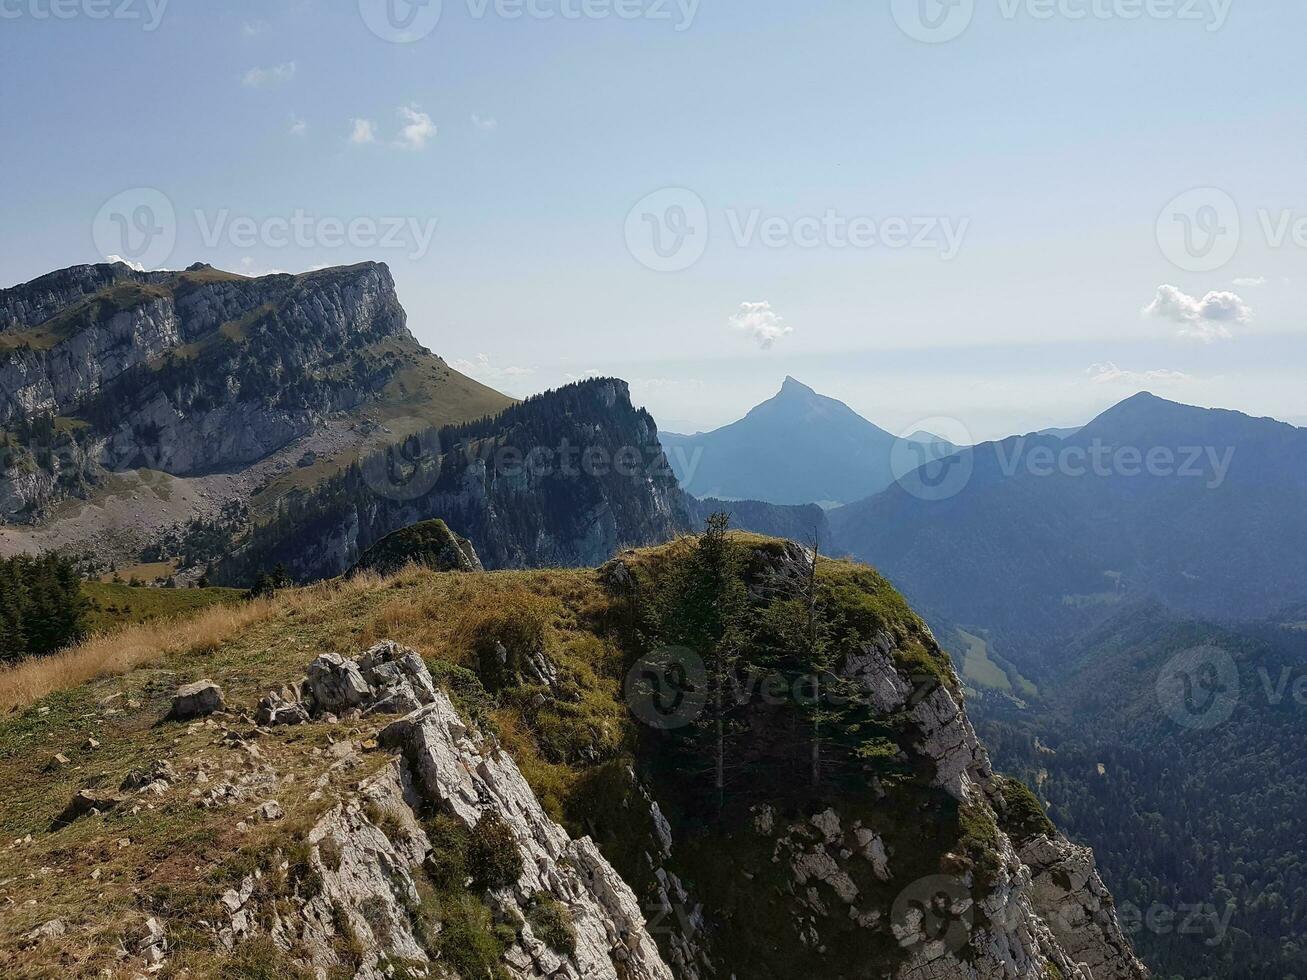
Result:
pixel 253 28
pixel 482 370
pixel 1255 281
pixel 484 124
pixel 418 128
pixel 260 77
pixel 128 262
pixel 298 127
pixel 1108 373
pixel 363 132
pixel 1203 319
pixel 760 322
pixel 250 268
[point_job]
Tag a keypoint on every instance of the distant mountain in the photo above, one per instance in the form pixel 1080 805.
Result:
pixel 797 448
pixel 1199 509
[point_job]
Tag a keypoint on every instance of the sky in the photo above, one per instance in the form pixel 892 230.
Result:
pixel 1005 214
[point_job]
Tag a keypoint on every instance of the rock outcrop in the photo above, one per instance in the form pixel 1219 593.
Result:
pixel 368 851
pixel 429 544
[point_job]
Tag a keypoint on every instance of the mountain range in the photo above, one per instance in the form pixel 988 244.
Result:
pixel 218 423
pixel 798 447
pixel 1199 509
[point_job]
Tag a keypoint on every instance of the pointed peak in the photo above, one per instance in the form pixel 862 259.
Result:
pixel 793 386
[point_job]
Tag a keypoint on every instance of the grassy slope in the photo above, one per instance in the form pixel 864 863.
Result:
pixel 114 605
pixel 424 393
pixel 173 859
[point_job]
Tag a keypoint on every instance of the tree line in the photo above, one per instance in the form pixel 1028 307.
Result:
pixel 42 608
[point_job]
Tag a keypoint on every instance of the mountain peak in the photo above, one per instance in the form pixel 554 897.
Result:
pixel 793 386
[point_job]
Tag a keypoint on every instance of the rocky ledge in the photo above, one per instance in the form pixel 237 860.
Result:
pixel 367 854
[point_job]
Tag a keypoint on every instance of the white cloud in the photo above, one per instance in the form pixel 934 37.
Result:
pixel 482 370
pixel 484 124
pixel 128 262
pixel 259 77
pixel 1253 281
pixel 418 128
pixel 253 28
pixel 760 322
pixel 298 127
pixel 1108 373
pixel 252 269
pixel 363 132
pixel 1205 319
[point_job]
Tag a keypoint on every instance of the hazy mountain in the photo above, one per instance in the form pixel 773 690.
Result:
pixel 796 448
pixel 1200 509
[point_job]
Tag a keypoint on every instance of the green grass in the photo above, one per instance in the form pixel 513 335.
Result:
pixel 115 605
pixel 978 668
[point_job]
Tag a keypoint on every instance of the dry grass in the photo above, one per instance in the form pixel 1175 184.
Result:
pixel 123 650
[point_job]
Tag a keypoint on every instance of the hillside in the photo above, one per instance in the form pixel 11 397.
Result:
pixel 798 447
pixel 134 404
pixel 1193 804
pixel 1199 509
pixel 489 802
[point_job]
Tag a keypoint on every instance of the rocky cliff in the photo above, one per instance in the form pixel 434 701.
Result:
pixel 105 370
pixel 566 478
pixel 493 794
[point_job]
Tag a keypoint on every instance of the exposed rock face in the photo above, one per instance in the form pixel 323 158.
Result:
pixel 1076 904
pixel 387 679
pixel 1045 904
pixel 366 873
pixel 180 372
pixel 467 779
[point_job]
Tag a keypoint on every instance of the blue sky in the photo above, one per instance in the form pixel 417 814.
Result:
pixel 1032 160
